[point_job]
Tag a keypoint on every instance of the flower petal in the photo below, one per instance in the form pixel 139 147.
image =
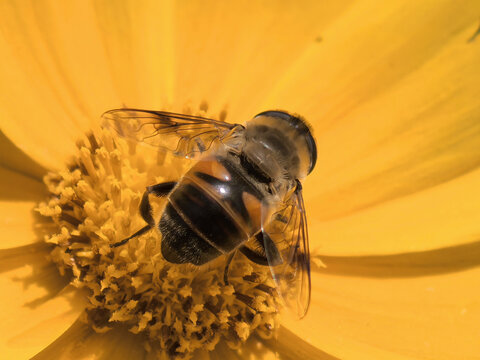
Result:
pixel 430 317
pixel 441 216
pixel 421 132
pixel 290 346
pixel 35 308
pixel 367 50
pixel 138 39
pixel 80 341
pixel 252 349
pixel 231 53
pixel 17 224
pixel 55 77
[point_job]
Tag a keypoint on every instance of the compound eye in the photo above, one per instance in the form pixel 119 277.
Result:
pixel 277 114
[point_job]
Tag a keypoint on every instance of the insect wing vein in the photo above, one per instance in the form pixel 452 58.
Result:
pixel 288 230
pixel 183 135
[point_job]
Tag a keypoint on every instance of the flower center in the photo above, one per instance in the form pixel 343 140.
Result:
pixel 179 307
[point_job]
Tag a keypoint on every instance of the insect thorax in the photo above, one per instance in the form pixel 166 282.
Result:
pixel 280 145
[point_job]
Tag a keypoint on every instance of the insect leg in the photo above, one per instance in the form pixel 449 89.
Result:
pixel 253 256
pixel 158 190
pixel 138 233
pixel 161 189
pixel 263 240
pixel 227 265
pixel 146 210
pixel 269 247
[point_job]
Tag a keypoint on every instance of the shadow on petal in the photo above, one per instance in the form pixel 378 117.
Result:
pixel 12 158
pixel 32 254
pixel 44 273
pixel 80 341
pixel 19 187
pixel 423 263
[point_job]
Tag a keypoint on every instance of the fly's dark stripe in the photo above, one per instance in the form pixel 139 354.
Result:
pixel 180 243
pixel 234 188
pixel 234 191
pixel 185 222
pixel 226 192
pixel 207 216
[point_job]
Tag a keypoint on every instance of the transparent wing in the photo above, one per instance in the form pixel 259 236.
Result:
pixel 287 250
pixel 184 135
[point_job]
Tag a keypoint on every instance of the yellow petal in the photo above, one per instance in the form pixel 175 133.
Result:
pixel 17 224
pixel 290 346
pixel 441 216
pixel 233 53
pixel 55 77
pixel 430 317
pixel 253 348
pixel 81 342
pixel 421 132
pixel 138 40
pixel 35 309
pixel 367 50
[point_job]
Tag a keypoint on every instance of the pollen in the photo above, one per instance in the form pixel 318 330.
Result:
pixel 177 308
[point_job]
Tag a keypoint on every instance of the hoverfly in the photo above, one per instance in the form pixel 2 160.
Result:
pixel 243 188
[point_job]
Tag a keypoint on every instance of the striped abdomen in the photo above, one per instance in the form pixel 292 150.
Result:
pixel 214 209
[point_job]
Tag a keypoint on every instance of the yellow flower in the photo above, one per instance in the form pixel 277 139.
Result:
pixel 391 89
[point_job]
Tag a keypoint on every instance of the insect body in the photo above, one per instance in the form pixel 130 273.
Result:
pixel 243 189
